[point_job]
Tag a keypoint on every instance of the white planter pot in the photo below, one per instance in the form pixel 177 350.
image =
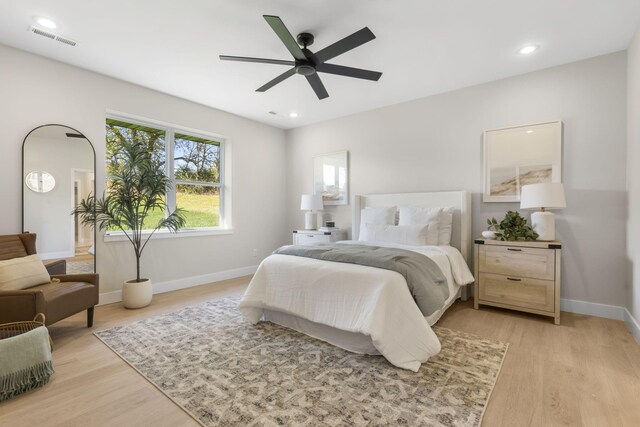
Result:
pixel 137 294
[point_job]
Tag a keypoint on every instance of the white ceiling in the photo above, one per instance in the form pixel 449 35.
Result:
pixel 423 47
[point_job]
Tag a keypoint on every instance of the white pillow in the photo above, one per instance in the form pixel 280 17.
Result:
pixel 414 235
pixel 22 273
pixel 415 215
pixel 376 216
pixel 445 222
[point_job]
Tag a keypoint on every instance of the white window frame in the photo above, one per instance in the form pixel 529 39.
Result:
pixel 170 130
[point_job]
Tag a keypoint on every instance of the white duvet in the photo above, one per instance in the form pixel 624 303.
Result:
pixel 354 298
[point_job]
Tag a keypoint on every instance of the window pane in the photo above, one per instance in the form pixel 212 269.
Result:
pixel 153 217
pixel 196 159
pixel 120 133
pixel 200 205
pixel 150 222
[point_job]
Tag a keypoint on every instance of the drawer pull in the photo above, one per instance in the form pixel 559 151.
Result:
pixel 514 249
pixel 513 279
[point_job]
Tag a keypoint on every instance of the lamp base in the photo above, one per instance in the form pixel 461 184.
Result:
pixel 544 223
pixel 310 220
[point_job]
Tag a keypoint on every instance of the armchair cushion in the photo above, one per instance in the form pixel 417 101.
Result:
pixel 22 273
pixel 64 299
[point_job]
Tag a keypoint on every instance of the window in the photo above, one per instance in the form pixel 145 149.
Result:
pixel 193 161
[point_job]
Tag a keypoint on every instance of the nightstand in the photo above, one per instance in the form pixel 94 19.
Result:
pixel 310 237
pixel 522 276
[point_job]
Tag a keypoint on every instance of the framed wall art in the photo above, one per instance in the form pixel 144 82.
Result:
pixel 521 155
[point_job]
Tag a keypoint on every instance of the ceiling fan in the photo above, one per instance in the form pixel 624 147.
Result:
pixel 307 63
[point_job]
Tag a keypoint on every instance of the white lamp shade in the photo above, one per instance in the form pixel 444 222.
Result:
pixel 547 195
pixel 310 202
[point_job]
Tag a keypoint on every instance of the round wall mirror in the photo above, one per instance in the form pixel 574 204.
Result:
pixel 40 182
pixel 58 171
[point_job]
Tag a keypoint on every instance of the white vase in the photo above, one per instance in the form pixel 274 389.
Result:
pixel 489 234
pixel 137 294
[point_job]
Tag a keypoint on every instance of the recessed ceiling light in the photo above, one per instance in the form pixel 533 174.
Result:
pixel 293 115
pixel 526 50
pixel 529 131
pixel 46 22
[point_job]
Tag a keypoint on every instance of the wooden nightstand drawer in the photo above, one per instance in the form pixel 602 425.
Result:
pixel 517 261
pixel 517 291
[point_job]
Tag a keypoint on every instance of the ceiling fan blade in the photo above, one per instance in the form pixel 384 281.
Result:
pixel 346 44
pixel 277 80
pixel 259 60
pixel 317 86
pixel 357 73
pixel 283 33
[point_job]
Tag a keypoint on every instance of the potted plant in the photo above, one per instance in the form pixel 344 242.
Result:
pixel 137 187
pixel 513 227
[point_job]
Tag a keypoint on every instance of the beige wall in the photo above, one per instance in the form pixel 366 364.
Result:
pixel 435 143
pixel 37 91
pixel 633 176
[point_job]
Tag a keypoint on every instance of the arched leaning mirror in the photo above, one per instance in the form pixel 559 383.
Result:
pixel 58 170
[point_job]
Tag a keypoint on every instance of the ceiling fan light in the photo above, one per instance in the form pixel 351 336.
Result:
pixel 305 70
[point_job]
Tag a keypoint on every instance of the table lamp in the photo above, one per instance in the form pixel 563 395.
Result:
pixel 309 203
pixel 543 196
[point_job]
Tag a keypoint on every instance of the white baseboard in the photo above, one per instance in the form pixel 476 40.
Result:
pixel 110 297
pixel 632 324
pixel 186 282
pixel 55 255
pixel 592 309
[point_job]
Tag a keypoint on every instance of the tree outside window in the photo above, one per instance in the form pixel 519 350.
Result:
pixel 192 161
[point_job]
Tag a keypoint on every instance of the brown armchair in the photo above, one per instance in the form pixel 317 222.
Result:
pixel 58 300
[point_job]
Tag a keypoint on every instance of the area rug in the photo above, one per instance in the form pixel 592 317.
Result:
pixel 224 371
pixel 79 267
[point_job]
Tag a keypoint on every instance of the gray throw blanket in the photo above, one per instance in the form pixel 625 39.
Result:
pixel 25 362
pixel 426 282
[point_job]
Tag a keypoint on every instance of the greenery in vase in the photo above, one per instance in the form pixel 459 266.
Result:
pixel 137 188
pixel 513 227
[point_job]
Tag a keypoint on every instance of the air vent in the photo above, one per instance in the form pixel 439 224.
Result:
pixel 52 36
pixel 273 113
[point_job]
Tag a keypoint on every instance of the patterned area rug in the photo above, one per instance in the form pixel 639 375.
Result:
pixel 224 371
pixel 79 267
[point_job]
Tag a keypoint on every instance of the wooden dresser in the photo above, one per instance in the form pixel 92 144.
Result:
pixel 522 276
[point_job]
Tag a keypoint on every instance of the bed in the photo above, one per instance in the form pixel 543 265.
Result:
pixel 360 308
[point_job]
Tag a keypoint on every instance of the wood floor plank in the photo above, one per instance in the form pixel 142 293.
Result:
pixel 585 372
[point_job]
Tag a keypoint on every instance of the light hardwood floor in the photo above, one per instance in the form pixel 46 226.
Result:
pixel 585 372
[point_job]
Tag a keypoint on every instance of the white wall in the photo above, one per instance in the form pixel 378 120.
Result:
pixel 435 143
pixel 48 214
pixel 633 179
pixel 37 91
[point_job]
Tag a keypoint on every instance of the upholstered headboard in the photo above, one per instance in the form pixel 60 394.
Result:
pixel 459 200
